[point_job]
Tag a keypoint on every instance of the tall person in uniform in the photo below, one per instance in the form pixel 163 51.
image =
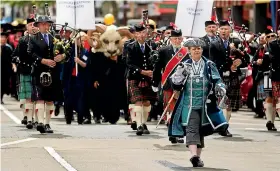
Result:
pixel 139 78
pixel 24 63
pixel 46 77
pixel 271 64
pixel 220 50
pixel 211 29
pixel 169 57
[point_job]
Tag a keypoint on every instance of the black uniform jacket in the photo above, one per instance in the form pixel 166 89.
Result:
pixel 165 55
pixel 206 48
pixel 138 61
pixel 21 57
pixel 221 55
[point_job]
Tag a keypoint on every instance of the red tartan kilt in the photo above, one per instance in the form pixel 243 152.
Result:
pixel 167 94
pixel 140 94
pixel 276 89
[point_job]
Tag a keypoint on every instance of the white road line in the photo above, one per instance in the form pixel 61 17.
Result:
pixel 10 115
pixel 17 142
pixel 59 159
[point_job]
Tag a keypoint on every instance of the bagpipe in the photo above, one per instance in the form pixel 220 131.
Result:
pixel 60 45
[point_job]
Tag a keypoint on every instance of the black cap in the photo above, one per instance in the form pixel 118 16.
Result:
pixel 139 27
pixel 176 33
pixel 5 34
pixel 224 23
pixel 268 30
pixel 30 20
pixel 207 23
pixel 42 19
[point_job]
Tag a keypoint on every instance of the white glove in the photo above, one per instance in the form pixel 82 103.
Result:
pixel 221 91
pixel 180 74
pixel 155 89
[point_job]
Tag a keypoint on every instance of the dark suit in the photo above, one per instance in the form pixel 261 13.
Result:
pixel 39 49
pixel 206 48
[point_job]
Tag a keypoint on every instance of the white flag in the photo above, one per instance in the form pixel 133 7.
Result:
pixel 191 16
pixel 65 12
pixel 85 15
pixel 79 14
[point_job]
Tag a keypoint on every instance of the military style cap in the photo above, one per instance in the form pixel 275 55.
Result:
pixel 194 42
pixel 30 20
pixel 207 23
pixel 176 33
pixel 268 30
pixel 139 27
pixel 42 19
pixel 224 23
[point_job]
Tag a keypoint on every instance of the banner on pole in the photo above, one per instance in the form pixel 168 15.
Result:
pixel 79 14
pixel 191 15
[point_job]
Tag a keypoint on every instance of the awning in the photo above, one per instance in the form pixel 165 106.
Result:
pixel 221 4
pixel 262 1
pixel 167 7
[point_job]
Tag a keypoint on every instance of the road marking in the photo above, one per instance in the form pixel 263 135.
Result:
pixel 59 159
pixel 10 115
pixel 17 142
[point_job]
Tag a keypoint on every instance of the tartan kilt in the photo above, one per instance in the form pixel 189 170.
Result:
pixel 276 89
pixel 233 93
pixel 25 86
pixel 261 94
pixel 140 94
pixel 167 94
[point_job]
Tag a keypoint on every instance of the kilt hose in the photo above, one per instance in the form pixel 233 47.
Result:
pixel 25 86
pixel 233 93
pixel 140 94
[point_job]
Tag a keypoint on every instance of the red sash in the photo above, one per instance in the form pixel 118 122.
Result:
pixel 175 60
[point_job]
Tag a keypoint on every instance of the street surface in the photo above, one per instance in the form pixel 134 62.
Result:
pixel 116 147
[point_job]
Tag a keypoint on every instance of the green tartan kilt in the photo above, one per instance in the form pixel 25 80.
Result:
pixel 25 86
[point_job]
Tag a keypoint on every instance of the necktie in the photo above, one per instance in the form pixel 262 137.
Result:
pixel 142 48
pixel 226 43
pixel 46 39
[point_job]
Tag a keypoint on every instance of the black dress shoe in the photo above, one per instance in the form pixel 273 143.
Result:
pixel 29 125
pixel 196 161
pixel 24 120
pixel 270 126
pixel 41 128
pixel 146 131
pixel 56 111
pixel 140 130
pixel 48 129
pixel 133 125
pixel 35 124
pixel 226 134
pixel 173 140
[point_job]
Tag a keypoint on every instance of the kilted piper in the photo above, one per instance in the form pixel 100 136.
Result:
pixel 46 77
pixel 139 78
pixel 24 65
pixel 271 64
pixel 221 53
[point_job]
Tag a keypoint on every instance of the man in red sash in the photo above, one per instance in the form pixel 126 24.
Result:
pixel 169 57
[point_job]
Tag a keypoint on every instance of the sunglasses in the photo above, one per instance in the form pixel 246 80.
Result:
pixel 271 36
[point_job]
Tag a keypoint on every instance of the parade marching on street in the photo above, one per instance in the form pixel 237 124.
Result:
pixel 89 95
pixel 116 147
